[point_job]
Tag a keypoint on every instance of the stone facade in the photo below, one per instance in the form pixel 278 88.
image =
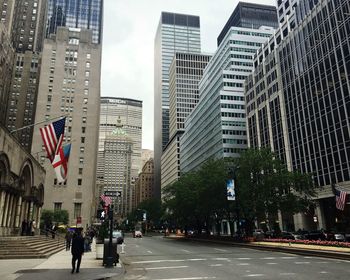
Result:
pixel 21 186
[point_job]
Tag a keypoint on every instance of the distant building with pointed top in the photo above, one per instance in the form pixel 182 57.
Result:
pixel 121 124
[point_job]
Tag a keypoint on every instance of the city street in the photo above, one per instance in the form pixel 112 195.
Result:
pixel 158 258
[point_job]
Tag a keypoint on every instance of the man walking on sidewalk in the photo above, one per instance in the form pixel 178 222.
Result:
pixel 77 249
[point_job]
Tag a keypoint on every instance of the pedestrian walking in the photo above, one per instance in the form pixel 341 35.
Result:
pixel 24 227
pixel 68 238
pixel 29 228
pixel 53 231
pixel 77 250
pixel 32 229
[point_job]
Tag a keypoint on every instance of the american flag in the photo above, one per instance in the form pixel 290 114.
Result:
pixel 106 199
pixel 52 136
pixel 340 199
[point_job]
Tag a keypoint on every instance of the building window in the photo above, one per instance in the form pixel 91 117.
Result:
pixel 82 139
pixel 77 210
pixel 57 206
pixel 81 160
pixel 80 182
pixel 80 171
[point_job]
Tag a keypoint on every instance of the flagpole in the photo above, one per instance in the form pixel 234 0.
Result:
pixel 34 124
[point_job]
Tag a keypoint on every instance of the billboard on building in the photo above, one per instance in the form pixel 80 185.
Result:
pixel 230 184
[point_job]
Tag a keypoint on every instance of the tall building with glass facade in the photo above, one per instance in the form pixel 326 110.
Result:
pixel 127 114
pixel 175 32
pixel 302 112
pixel 217 125
pixel 250 15
pixel 186 70
pixel 85 14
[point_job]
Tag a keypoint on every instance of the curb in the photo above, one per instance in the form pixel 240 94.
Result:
pixel 298 251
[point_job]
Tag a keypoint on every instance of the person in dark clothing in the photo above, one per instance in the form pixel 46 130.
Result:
pixel 68 238
pixel 24 227
pixel 77 250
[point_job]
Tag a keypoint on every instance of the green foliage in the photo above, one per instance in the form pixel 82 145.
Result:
pixel 103 231
pixel 263 186
pixel 58 216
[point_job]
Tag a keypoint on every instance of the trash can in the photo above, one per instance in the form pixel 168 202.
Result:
pixel 114 253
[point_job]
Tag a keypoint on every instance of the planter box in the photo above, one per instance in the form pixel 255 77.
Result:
pixel 99 251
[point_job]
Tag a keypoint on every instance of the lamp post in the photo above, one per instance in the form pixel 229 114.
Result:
pixel 110 259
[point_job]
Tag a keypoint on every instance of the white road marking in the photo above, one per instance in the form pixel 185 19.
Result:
pixel 220 259
pixel 185 251
pixel 244 258
pixel 323 272
pixel 253 275
pixel 302 262
pixel 308 257
pixel 187 278
pixel 160 267
pixel 271 263
pixel 220 250
pixel 137 246
pixel 218 264
pixel 268 258
pixel 150 252
pixel 288 258
pixel 322 262
pixel 243 264
pixel 287 273
pixel 159 261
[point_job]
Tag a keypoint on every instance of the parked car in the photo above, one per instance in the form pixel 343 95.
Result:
pixel 287 235
pixel 137 233
pixel 339 237
pixel 299 236
pixel 119 235
pixel 258 234
pixel 315 235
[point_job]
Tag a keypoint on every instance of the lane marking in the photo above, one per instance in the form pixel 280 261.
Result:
pixel 220 250
pixel 149 252
pixel 244 258
pixel 302 262
pixel 287 273
pixel 187 278
pixel 186 251
pixel 218 264
pixel 271 263
pixel 220 259
pixel 160 267
pixel 242 263
pixel 288 258
pixel 268 258
pixel 159 261
pixel 323 272
pixel 322 262
pixel 253 275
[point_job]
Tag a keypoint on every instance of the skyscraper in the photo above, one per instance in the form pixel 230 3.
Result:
pixel 217 125
pixel 77 14
pixel 70 86
pixel 250 15
pixel 186 70
pixel 24 21
pixel 302 113
pixel 127 114
pixel 176 32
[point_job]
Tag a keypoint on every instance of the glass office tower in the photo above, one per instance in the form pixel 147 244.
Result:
pixel 176 32
pixel 77 14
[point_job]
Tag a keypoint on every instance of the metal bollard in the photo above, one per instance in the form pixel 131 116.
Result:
pixel 123 245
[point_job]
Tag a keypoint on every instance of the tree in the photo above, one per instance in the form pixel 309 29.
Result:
pixel 57 216
pixel 264 186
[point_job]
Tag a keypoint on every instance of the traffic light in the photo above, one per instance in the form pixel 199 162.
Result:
pixel 101 214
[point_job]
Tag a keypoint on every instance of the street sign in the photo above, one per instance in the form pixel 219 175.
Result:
pixel 113 193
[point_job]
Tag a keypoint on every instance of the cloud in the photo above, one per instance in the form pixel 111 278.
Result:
pixel 128 45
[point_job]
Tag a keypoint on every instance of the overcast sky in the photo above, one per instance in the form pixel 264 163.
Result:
pixel 129 29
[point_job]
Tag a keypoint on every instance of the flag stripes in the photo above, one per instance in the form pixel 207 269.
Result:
pixel 106 199
pixel 340 199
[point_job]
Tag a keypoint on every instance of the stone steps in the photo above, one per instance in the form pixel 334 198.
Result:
pixel 28 247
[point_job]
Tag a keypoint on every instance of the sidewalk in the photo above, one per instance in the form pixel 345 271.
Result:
pixel 58 267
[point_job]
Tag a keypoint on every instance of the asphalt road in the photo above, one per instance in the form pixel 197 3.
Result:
pixel 158 258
